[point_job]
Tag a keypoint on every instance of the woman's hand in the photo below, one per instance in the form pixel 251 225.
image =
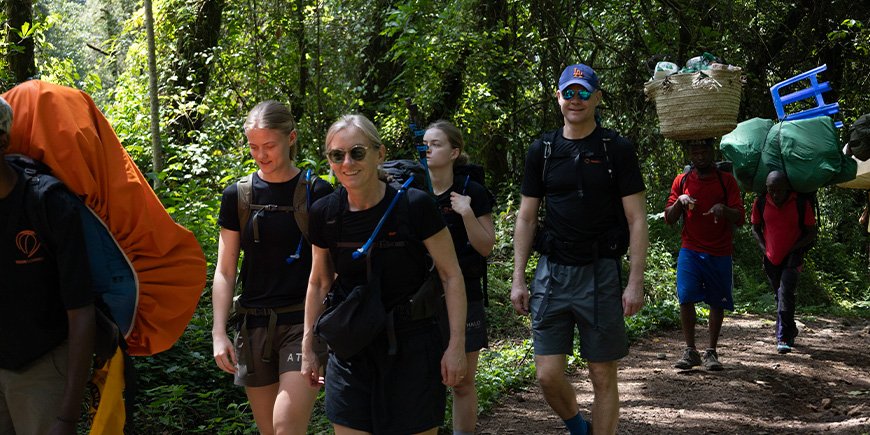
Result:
pixel 453 366
pixel 224 353
pixel 311 368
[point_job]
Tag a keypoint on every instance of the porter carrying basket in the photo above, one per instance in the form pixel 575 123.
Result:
pixel 697 105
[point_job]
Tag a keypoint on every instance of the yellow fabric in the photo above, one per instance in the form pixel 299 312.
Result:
pixel 109 415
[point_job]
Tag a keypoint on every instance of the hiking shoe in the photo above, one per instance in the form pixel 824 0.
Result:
pixel 691 358
pixel 711 360
pixel 783 347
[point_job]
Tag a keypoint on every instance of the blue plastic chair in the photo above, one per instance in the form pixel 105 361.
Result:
pixel 815 90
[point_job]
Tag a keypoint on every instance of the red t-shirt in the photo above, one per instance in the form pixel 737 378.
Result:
pixel 781 229
pixel 701 232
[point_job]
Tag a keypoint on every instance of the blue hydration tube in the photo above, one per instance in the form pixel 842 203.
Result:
pixel 364 249
pixel 298 253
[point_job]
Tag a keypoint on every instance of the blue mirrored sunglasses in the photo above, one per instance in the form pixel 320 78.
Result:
pixel 582 93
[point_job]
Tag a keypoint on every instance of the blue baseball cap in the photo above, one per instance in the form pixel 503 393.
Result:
pixel 579 74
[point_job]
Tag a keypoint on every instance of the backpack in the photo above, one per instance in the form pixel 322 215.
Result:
pixel 612 243
pixel 720 167
pixel 301 203
pixel 112 278
pixel 400 170
pixel 800 201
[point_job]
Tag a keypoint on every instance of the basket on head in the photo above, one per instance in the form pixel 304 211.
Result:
pixel 697 105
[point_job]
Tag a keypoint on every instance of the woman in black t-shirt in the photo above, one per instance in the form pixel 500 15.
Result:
pixel 395 385
pixel 265 357
pixel 467 208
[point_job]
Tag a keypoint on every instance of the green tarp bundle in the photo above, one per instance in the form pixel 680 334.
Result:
pixel 807 150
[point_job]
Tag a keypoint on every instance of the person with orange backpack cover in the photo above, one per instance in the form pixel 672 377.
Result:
pixel 45 359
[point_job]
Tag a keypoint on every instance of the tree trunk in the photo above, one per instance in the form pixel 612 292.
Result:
pixel 494 15
pixel 196 41
pixel 22 64
pixel 298 103
pixel 156 148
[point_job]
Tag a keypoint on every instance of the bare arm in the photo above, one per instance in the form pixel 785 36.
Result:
pixel 82 325
pixel 319 283
pixel 480 230
pixel 524 234
pixel 440 247
pixel 223 287
pixel 675 210
pixel 758 234
pixel 635 213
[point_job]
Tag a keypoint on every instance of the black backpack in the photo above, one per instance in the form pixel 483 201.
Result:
pixel 301 203
pixel 801 202
pixel 612 243
pixel 400 170
pixel 112 277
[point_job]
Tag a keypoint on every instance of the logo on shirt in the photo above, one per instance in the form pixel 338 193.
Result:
pixel 28 244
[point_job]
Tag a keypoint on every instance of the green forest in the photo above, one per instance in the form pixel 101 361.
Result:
pixel 489 66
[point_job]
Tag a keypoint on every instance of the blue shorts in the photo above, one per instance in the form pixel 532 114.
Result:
pixel 705 277
pixel 587 297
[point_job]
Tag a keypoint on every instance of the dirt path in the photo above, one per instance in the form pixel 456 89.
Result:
pixel 821 387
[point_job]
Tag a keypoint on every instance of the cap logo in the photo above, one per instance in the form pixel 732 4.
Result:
pixel 578 73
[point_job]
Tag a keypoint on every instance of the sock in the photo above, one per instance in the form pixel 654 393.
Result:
pixel 577 425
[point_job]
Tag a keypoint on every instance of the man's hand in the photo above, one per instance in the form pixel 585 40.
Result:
pixel 718 212
pixel 520 296
pixel 686 201
pixel 632 299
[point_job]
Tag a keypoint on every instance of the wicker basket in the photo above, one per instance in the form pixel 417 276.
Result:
pixel 697 105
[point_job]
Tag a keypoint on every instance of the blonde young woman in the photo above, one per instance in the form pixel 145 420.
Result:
pixel 265 357
pixel 467 209
pixel 396 384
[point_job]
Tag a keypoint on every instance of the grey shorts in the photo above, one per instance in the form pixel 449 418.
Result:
pixel 286 355
pixel 563 297
pixel 475 327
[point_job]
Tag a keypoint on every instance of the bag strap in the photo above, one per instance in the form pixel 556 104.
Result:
pixel 301 204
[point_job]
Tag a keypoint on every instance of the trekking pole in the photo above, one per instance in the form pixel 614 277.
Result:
pixel 417 132
pixel 364 249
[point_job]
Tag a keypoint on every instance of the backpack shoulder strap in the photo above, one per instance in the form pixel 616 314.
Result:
pixel 302 201
pixel 244 193
pixel 760 202
pixel 547 140
pixel 722 183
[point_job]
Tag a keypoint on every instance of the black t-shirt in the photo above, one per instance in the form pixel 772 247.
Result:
pixel 268 280
pixel 472 263
pixel 42 276
pixel 582 164
pixel 414 218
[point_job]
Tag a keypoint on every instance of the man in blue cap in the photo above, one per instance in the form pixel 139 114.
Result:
pixel 595 213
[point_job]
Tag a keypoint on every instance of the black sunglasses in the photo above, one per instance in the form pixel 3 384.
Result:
pixel 357 153
pixel 582 93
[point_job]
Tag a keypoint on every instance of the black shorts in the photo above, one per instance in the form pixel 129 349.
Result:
pixel 399 394
pixel 475 327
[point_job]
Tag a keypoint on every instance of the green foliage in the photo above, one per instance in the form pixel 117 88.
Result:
pixel 490 67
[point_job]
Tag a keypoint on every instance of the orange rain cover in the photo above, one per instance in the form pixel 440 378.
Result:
pixel 63 128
